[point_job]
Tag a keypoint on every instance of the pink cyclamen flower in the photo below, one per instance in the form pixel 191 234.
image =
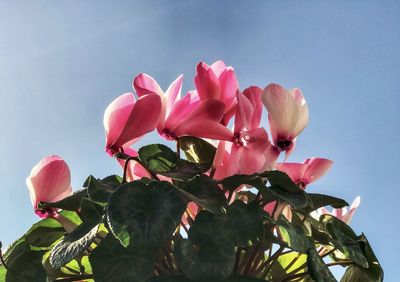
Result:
pixel 251 150
pixel 127 119
pixel 49 181
pixel 217 82
pixel 187 116
pixel 343 214
pixel 307 172
pixel 287 114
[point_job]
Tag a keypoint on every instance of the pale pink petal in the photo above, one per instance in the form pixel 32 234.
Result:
pixel 352 210
pixel 253 93
pixel 218 67
pixel 116 116
pixel 142 119
pixel 316 168
pixel 145 84
pixel 207 83
pixel 282 110
pixel 303 117
pixel 173 93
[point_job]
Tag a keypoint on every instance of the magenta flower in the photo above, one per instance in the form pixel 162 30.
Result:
pixel 126 120
pixel 217 82
pixel 343 214
pixel 307 172
pixel 49 181
pixel 187 116
pixel 287 114
pixel 251 150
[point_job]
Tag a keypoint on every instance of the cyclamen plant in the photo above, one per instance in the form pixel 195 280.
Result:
pixel 218 208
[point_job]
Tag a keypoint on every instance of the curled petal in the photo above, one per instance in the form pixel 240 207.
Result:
pixel 173 93
pixel 303 111
pixel 144 84
pixel 294 170
pixel 244 113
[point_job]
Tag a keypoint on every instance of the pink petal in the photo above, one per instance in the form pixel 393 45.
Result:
pixel 116 116
pixel 249 161
pixel 49 180
pixel 302 120
pixel 204 128
pixel 316 168
pixel 271 155
pixel 218 67
pixel 207 83
pixel 142 119
pixel 352 210
pixel 173 93
pixel 253 93
pixel 244 113
pixel 282 110
pixel 207 109
pixel 256 140
pixel 229 87
pixel 294 170
pixel 179 111
pixel 145 84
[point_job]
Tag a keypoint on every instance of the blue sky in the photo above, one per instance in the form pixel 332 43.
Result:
pixel 63 62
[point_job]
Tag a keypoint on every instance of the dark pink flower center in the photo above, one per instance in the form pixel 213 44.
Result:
pixel 284 145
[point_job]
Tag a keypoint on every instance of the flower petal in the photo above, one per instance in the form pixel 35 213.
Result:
pixel 316 168
pixel 142 119
pixel 253 93
pixel 282 110
pixel 145 84
pixel 173 93
pixel 207 83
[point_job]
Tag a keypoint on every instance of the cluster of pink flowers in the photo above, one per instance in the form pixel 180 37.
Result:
pixel 204 112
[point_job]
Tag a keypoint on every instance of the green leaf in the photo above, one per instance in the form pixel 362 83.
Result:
pixel 182 278
pixel 112 262
pixel 145 216
pixel 244 224
pixel 197 150
pixel 282 188
pixel 162 160
pixel 73 244
pixel 205 261
pixel 287 263
pixel 373 273
pixel 91 212
pixel 3 272
pixel 293 235
pixel 158 157
pixel 317 268
pixel 317 201
pixel 71 203
pixel 26 267
pixel 205 192
pixel 100 190
pixel 344 239
pixel 44 233
pixel 207 253
pixel 281 179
